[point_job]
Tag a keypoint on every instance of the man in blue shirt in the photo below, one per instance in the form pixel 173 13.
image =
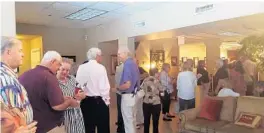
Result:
pixel 129 83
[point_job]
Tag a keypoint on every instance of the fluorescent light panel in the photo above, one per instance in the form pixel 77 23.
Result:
pixel 229 34
pixel 85 14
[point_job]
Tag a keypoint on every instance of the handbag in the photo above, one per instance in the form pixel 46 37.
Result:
pixel 140 93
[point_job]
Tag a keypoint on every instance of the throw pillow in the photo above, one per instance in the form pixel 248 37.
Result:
pixel 248 120
pixel 210 109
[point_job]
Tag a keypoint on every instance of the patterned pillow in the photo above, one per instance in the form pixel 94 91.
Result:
pixel 248 120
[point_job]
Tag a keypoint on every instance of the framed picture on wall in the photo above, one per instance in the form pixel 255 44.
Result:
pixel 195 60
pixel 114 64
pixel 184 59
pixel 174 61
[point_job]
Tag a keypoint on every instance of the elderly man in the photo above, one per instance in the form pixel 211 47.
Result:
pixel 13 96
pixel 95 107
pixel 128 86
pixel 45 94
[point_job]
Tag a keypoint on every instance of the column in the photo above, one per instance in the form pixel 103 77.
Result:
pixel 212 54
pixel 128 42
pixel 8 18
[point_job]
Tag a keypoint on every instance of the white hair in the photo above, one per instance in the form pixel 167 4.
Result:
pixel 93 53
pixel 220 62
pixel 51 55
pixel 8 42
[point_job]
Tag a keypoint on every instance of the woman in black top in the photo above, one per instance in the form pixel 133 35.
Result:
pixel 203 82
pixel 220 75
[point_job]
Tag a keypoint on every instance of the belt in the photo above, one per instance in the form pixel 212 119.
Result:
pixel 94 97
pixel 127 93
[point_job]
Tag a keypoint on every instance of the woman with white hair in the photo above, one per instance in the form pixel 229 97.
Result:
pixel 220 75
pixel 167 83
pixel 73 118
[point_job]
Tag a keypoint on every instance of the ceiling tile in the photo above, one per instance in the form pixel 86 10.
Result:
pixel 107 6
pixel 64 7
pixel 82 4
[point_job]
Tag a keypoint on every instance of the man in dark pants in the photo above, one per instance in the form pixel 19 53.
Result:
pixel 120 122
pixel 95 107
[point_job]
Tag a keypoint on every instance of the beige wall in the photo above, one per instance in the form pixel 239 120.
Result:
pixel 193 50
pixel 64 40
pixel 108 49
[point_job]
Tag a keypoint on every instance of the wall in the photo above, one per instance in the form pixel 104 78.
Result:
pixel 27 58
pixel 170 47
pixel 29 43
pixel 64 40
pixel 193 50
pixel 108 49
pixel 170 16
pixel 8 18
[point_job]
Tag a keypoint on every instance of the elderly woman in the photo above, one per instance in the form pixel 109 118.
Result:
pixel 167 83
pixel 220 75
pixel 151 102
pixel 186 84
pixel 73 118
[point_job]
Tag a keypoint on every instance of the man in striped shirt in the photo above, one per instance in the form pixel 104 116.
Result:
pixel 16 111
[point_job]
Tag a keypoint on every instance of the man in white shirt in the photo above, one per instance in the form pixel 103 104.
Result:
pixel 95 107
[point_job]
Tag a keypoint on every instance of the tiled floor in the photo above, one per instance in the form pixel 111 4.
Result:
pixel 164 127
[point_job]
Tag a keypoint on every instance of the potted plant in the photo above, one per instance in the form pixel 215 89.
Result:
pixel 253 48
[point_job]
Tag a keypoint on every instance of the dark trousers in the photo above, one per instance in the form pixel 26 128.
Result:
pixel 166 101
pixel 186 104
pixel 120 122
pixel 95 114
pixel 154 111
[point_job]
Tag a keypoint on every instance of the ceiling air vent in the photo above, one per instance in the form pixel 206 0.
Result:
pixel 204 8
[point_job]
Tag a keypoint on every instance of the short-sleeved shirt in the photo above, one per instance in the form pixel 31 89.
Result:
pixel 13 95
pixel 44 93
pixel 152 88
pixel 130 73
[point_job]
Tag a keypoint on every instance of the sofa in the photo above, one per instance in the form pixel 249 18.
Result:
pixel 230 111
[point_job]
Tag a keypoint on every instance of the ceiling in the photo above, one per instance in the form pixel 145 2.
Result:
pixel 54 13
pixel 231 30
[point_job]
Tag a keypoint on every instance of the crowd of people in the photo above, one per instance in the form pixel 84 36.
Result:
pixel 46 97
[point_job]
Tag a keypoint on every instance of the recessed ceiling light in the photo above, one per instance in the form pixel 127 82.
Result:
pixel 229 34
pixel 85 14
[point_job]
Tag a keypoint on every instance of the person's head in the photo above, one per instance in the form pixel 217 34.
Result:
pixel 123 53
pixel 154 72
pixel 166 67
pixel 201 64
pixel 52 60
pixel 219 63
pixel 11 52
pixel 94 54
pixel 186 66
pixel 239 67
pixel 65 68
pixel 243 58
pixel 190 62
pixel 259 87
